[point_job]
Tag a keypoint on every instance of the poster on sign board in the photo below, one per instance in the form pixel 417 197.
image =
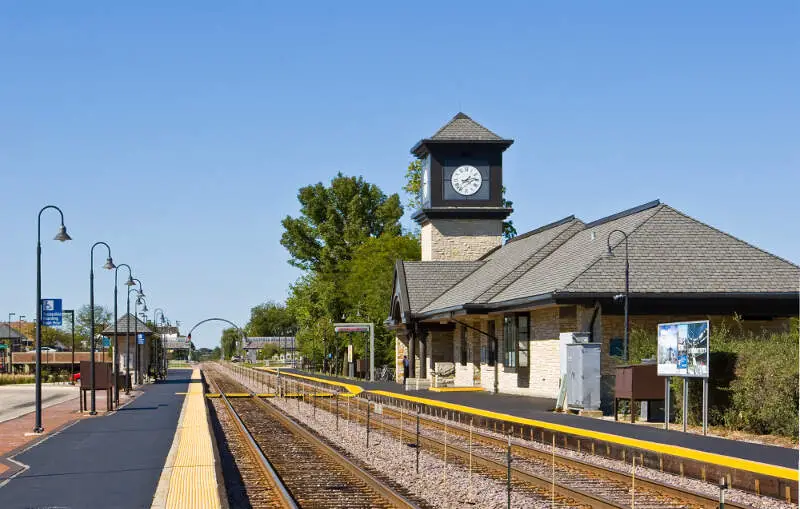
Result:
pixel 683 349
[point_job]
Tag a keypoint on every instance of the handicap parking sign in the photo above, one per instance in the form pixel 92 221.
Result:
pixel 140 338
pixel 51 312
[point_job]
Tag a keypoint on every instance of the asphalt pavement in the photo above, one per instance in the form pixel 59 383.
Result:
pixel 105 462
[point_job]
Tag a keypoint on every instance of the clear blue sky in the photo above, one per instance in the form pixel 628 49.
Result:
pixel 179 132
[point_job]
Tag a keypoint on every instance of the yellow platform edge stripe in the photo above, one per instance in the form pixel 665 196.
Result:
pixel 353 389
pixel 672 450
pixel 456 389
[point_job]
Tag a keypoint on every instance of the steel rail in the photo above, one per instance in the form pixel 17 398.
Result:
pixel 376 485
pixel 285 498
pixel 579 464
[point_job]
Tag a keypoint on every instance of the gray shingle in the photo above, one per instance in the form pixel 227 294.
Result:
pixel 427 280
pixel 674 253
pixel 126 324
pixel 463 128
pixel 492 276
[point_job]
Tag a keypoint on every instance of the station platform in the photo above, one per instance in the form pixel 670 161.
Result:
pixel 539 410
pixel 112 461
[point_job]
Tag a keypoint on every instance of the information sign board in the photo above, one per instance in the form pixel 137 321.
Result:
pixel 140 338
pixel 683 349
pixel 51 312
pixel 106 342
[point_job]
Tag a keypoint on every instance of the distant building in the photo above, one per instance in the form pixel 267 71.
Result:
pixel 285 344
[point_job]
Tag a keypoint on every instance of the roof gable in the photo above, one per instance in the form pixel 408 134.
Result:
pixel 128 324
pixel 462 128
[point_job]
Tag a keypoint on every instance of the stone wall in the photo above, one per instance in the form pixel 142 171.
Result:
pixel 459 239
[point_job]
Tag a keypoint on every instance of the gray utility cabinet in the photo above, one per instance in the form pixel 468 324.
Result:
pixel 583 376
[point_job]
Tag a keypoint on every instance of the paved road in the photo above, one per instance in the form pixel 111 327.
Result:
pixel 108 462
pixel 16 400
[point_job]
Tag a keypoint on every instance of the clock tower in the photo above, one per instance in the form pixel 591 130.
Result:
pixel 462 209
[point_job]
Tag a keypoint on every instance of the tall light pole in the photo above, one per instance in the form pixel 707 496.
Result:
pixel 61 236
pixel 160 337
pixel 139 353
pixel 627 288
pixel 72 329
pixel 128 283
pixel 136 325
pixel 128 340
pixel 109 265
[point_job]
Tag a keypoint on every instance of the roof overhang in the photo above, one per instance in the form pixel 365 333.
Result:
pixel 420 149
pixel 424 215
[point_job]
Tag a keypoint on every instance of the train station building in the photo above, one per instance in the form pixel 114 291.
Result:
pixel 479 312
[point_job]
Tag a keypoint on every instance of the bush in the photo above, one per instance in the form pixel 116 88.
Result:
pixel 753 383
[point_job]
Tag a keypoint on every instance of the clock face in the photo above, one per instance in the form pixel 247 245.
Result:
pixel 466 180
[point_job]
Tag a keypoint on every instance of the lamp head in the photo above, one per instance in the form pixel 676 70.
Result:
pixel 109 264
pixel 130 281
pixel 62 234
pixel 608 252
pixel 144 307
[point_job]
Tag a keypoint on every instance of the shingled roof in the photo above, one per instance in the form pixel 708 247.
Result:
pixel 7 332
pixel 670 253
pixel 126 324
pixel 461 128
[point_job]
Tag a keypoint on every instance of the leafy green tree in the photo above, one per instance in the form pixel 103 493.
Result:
pixel 335 219
pixel 413 187
pixel 271 319
pixel 83 321
pixel 230 341
pixel 51 335
pixel 267 351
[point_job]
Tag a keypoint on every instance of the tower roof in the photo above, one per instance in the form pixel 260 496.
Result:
pixel 460 129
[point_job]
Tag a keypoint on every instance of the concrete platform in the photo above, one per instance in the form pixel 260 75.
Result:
pixel 113 461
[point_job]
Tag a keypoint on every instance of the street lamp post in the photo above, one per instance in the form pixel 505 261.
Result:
pixel 136 326
pixel 128 340
pixel 160 337
pixel 128 283
pixel 627 289
pixel 108 266
pixel 72 329
pixel 61 236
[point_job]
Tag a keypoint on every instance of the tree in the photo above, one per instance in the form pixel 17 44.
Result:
pixel 267 351
pixel 368 287
pixel 335 219
pixel 51 335
pixel 83 322
pixel 230 340
pixel 271 319
pixel 413 188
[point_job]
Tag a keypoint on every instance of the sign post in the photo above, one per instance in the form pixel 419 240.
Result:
pixel 683 350
pixel 361 327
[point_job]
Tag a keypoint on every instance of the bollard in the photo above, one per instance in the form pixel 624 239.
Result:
pixel 417 439
pixel 367 422
pixel 508 475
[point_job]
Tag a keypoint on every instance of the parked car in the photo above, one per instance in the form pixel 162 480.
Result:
pixel 48 349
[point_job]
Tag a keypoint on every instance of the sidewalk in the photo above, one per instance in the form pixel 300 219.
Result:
pixel 112 461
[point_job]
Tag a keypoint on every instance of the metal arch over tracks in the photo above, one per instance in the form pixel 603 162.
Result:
pixel 216 319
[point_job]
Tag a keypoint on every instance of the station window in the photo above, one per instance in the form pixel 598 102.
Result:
pixel 509 340
pixel 523 335
pixel 615 347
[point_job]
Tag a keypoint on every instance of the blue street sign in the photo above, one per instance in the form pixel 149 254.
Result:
pixel 106 341
pixel 51 312
pixel 140 338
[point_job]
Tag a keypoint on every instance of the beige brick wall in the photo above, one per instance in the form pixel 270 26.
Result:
pixel 545 368
pixel 459 239
pixel 400 349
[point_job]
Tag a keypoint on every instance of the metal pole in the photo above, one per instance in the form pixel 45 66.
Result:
pixel 627 288
pixel 417 444
pixel 666 402
pixel 371 352
pixel 136 338
pixel 705 406
pixel 62 236
pixel 508 474
pixel 367 422
pixel 91 333
pixel 128 344
pixel 685 402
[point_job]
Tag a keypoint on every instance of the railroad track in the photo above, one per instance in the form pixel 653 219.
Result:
pixel 312 473
pixel 579 481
